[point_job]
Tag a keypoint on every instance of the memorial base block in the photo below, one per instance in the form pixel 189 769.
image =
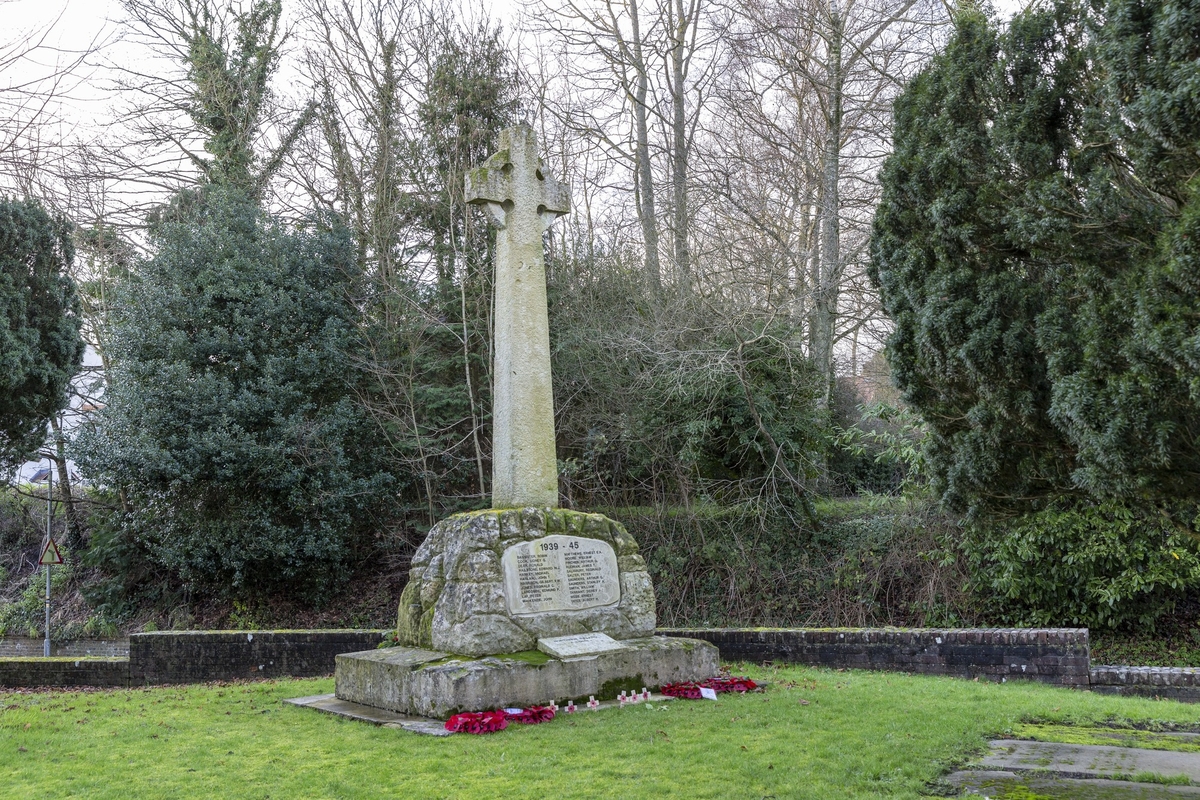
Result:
pixel 410 680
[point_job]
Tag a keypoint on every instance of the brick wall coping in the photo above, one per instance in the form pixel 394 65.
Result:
pixel 1116 675
pixel 1073 636
pixel 295 634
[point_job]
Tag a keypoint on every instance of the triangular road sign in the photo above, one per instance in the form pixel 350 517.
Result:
pixel 50 554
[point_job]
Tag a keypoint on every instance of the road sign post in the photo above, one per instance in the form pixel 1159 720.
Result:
pixel 50 554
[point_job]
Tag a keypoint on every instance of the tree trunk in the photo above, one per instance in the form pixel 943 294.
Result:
pixel 643 175
pixel 74 537
pixel 825 289
pixel 679 149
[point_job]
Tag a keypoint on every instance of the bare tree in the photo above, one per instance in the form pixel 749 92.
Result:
pixel 410 94
pixel 39 76
pixel 199 105
pixel 807 91
pixel 639 73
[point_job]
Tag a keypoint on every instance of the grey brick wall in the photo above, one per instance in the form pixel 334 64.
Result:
pixel 63 671
pixel 1050 655
pixel 1174 683
pixel 23 646
pixel 197 656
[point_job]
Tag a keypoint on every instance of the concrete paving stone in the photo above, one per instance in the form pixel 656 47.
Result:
pixel 1002 783
pixel 1089 761
pixel 330 704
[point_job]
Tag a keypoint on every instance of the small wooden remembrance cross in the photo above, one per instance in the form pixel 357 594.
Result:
pixel 521 200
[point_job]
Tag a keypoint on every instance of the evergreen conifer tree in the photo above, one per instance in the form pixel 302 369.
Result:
pixel 231 424
pixel 40 348
pixel 1035 247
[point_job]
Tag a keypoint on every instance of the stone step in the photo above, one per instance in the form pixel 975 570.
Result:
pixel 1004 783
pixel 330 704
pixel 1090 760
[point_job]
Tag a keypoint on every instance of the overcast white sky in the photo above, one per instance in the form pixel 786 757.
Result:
pixel 67 28
pixel 70 27
pixel 80 22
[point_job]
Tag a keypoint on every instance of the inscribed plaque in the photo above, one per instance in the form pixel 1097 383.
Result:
pixel 579 644
pixel 560 573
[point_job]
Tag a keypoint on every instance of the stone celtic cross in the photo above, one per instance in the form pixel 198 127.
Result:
pixel 521 200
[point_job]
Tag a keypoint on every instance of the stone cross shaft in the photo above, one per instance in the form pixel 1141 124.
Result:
pixel 521 200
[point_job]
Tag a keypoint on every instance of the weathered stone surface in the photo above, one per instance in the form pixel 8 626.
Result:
pixel 376 716
pixel 1089 760
pixel 1017 768
pixel 561 573
pixel 579 644
pixel 522 200
pixel 432 684
pixel 456 600
pixel 999 783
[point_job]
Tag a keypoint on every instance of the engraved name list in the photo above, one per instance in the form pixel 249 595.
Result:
pixel 560 573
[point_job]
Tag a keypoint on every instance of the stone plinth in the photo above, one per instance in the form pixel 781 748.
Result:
pixel 433 684
pixel 493 581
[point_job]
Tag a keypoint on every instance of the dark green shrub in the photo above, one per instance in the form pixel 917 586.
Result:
pixel 40 348
pixel 231 423
pixel 1035 246
pixel 1096 565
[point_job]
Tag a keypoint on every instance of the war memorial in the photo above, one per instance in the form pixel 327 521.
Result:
pixel 524 603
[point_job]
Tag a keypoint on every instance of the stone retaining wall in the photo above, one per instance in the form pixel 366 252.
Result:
pixel 198 656
pixel 23 646
pixel 195 657
pixel 1053 655
pixel 1050 655
pixel 1175 683
pixel 63 671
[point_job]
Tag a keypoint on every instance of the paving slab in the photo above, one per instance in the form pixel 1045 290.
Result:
pixel 330 704
pixel 1089 760
pixel 1003 783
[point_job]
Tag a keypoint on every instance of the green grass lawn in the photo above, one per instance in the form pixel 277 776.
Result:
pixel 812 734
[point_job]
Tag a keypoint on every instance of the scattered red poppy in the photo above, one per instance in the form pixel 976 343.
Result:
pixel 531 716
pixel 691 689
pixel 477 722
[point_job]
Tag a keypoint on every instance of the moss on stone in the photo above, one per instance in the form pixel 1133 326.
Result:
pixel 535 657
pixel 1109 737
pixel 610 689
pixel 425 638
pixel 441 662
pixel 408 617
